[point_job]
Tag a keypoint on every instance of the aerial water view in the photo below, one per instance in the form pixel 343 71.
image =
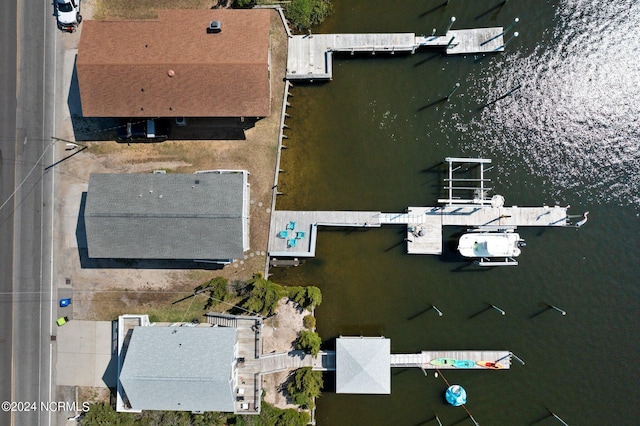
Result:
pixel 375 138
pixel 320 212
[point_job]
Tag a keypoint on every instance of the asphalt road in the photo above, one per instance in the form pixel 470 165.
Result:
pixel 7 155
pixel 28 65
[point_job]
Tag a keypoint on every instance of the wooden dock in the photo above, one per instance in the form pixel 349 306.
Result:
pixel 283 361
pixel 422 360
pixel 310 57
pixel 424 224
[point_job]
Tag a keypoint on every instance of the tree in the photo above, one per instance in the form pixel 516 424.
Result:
pixel 305 385
pixel 218 289
pixel 304 14
pixel 307 297
pixel 264 296
pixel 309 341
pixel 104 414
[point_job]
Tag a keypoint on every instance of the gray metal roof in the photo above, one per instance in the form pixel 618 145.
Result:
pixel 167 216
pixel 363 365
pixel 180 368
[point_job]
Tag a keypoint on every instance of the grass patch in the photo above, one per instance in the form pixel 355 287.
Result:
pixel 142 9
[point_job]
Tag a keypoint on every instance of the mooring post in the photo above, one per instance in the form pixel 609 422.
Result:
pixel 498 309
pixel 558 309
pixel 437 310
pixel 438 420
pixel 516 357
pixel 433 32
pixel 453 19
pixel 453 90
pixel 559 419
pixel 515 21
pixel 516 34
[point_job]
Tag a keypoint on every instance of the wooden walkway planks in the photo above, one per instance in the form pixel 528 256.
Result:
pixel 477 40
pixel 424 224
pixel 283 361
pixel 422 360
pixel 310 57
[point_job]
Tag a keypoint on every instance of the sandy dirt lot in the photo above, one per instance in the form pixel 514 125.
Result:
pixel 104 293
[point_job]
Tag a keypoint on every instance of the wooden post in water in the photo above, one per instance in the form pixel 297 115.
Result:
pixel 453 90
pixel 437 310
pixel 498 309
pixel 515 21
pixel 559 419
pixel 558 309
pixel 516 357
pixel 453 19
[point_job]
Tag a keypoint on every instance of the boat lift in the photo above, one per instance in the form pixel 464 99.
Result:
pixel 476 184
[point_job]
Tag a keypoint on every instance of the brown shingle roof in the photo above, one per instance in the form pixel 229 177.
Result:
pixel 124 67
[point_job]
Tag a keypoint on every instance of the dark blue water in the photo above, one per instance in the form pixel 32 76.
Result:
pixel 369 140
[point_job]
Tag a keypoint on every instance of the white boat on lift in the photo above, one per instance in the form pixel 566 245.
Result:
pixel 491 248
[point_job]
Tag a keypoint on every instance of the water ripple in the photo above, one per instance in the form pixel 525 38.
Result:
pixel 574 119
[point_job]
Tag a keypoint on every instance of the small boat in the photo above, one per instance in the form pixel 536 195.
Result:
pixel 490 364
pixel 464 364
pixel 488 246
pixel 442 362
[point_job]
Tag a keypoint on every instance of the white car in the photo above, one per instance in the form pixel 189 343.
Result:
pixel 68 14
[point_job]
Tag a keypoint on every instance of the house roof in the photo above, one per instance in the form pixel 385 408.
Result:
pixel 363 365
pixel 171 67
pixel 167 216
pixel 180 368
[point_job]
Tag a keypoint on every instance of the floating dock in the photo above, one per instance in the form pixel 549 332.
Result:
pixel 310 57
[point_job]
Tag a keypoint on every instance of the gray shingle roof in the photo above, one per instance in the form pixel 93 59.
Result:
pixel 180 368
pixel 363 365
pixel 166 216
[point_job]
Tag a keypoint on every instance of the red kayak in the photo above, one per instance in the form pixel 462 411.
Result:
pixel 489 364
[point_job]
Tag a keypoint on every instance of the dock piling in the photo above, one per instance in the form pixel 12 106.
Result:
pixel 453 90
pixel 559 419
pixel 453 19
pixel 515 21
pixel 498 309
pixel 518 359
pixel 438 420
pixel 555 308
pixel 437 310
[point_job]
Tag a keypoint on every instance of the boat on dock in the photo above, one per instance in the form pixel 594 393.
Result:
pixel 490 365
pixel 491 248
pixel 464 364
pixel 443 362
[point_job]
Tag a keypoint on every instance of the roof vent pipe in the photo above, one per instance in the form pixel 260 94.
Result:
pixel 214 27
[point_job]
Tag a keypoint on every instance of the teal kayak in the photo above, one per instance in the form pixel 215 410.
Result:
pixel 464 364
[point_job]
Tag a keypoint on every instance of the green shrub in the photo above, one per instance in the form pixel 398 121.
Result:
pixel 309 321
pixel 304 14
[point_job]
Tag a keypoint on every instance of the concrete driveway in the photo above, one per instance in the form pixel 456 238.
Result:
pixel 85 351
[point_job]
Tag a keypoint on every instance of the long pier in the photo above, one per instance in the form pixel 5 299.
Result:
pixel 310 57
pixel 424 224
